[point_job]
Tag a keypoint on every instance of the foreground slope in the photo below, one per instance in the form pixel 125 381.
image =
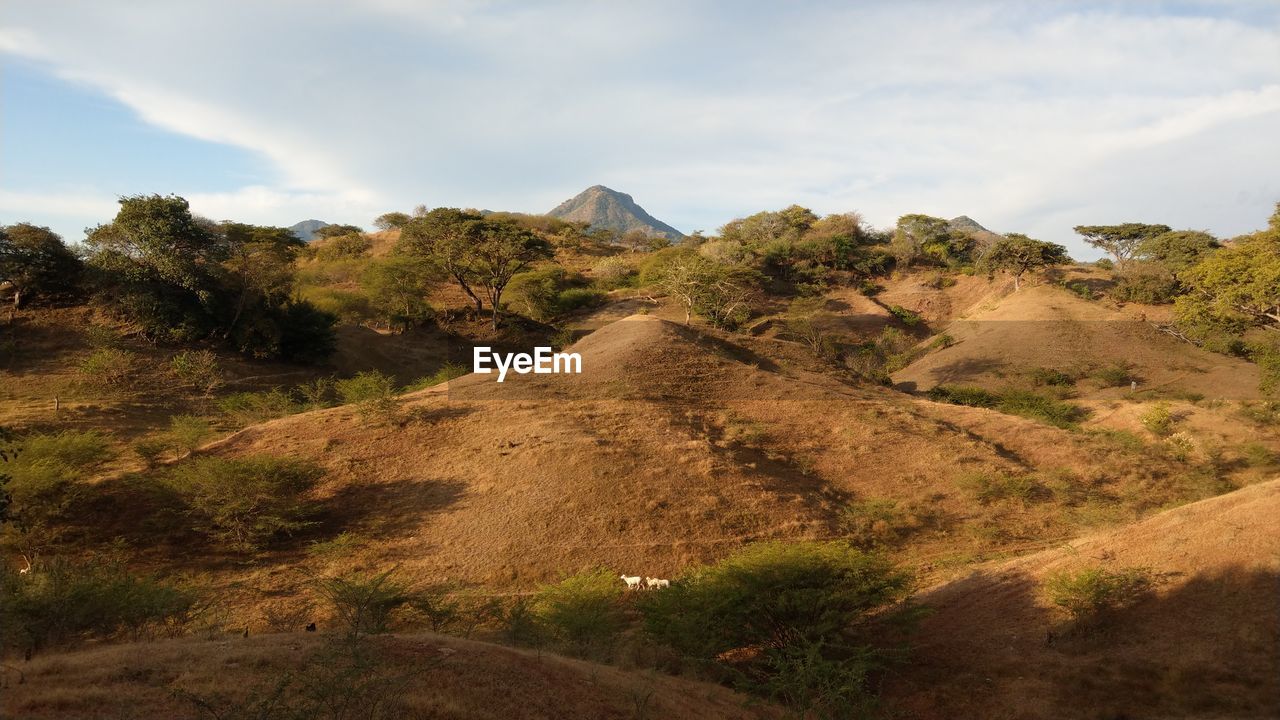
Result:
pixel 430 676
pixel 1205 643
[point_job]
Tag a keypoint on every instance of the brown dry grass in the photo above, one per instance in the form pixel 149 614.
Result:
pixel 1205 643
pixel 444 678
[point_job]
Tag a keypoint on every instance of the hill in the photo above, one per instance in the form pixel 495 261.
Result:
pixel 675 447
pixel 1204 643
pixel 306 230
pixel 1047 327
pixel 602 207
pixel 431 676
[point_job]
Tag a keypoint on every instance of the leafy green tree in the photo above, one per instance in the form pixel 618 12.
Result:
pixel 762 228
pixel 1018 254
pixel 398 286
pixel 36 262
pixel 720 293
pixel 392 220
pixel 446 237
pixel 1124 241
pixel 333 231
pixel 503 249
pixel 1239 286
pixel 1178 250
pixel 917 236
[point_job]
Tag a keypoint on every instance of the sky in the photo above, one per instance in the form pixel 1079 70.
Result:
pixel 1027 116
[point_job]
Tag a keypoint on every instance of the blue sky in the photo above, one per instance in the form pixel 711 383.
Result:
pixel 1027 116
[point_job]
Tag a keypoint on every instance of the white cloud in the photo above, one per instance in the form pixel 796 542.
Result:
pixel 1032 116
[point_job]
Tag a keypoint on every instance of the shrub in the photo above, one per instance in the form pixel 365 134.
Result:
pixel 1087 595
pixel 992 487
pixel 613 272
pixel 771 595
pixel 910 318
pixel 149 450
pixel 578 298
pixel 317 393
pixel 876 522
pixel 245 502
pixel 343 247
pixel 1258 455
pixel 59 602
pixel 248 408
pixel 1158 419
pixel 1038 407
pixel 1051 377
pixel 583 610
pixel 1113 376
pixel 959 395
pixel 199 369
pixel 1181 446
pixel 447 372
pixel 364 604
pixel 46 478
pixel 373 394
pixel 1147 288
pixel 187 432
pixel 107 369
pixel 437 607
pixel 1104 264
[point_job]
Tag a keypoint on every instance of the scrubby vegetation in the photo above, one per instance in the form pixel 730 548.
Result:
pixel 1088 596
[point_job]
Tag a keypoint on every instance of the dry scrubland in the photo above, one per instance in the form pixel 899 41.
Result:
pixel 681 444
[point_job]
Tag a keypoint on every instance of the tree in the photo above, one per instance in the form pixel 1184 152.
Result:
pixel 392 220
pixel 1237 287
pixel 720 293
pixel 1178 250
pixel 446 237
pixel 1121 241
pixel 503 249
pixel 332 231
pixel 919 235
pixel 398 286
pixel 260 264
pixel 36 262
pixel 1017 254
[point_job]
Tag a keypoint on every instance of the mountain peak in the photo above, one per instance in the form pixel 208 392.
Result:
pixel 603 207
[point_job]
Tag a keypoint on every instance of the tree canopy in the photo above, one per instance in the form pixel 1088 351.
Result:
pixel 1018 254
pixel 36 262
pixel 1123 241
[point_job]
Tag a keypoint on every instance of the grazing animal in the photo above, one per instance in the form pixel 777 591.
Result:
pixel 311 627
pixel 633 583
pixel 656 583
pixel 27 569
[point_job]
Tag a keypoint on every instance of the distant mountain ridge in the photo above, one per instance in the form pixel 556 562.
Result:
pixel 306 230
pixel 602 207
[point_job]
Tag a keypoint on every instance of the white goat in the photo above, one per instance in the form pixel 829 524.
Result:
pixel 633 583
pixel 656 583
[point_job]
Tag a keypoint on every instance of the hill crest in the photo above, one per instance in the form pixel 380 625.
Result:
pixel 603 207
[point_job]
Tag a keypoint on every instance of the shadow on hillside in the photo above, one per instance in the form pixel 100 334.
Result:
pixel 388 509
pixel 966 369
pixel 727 349
pixel 1208 647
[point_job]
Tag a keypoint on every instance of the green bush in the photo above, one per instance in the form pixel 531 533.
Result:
pixel 1147 288
pixel 958 395
pixel 245 503
pixel 1051 377
pixel 373 394
pixel 771 595
pixel 447 372
pixel 1158 419
pixel 364 604
pixel 248 408
pixel 107 369
pixel 613 272
pixel 1088 595
pixel 910 318
pixel 60 602
pixel 149 451
pixel 584 611
pixel 578 298
pixel 877 521
pixel 187 432
pixel 1038 407
pixel 1113 376
pixel 46 478
pixel 198 368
